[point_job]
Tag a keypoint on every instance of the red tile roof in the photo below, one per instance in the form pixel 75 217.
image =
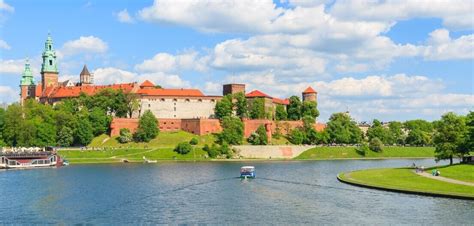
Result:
pixel 257 93
pixel 309 90
pixel 281 101
pixel 171 92
pixel 75 91
pixel 147 83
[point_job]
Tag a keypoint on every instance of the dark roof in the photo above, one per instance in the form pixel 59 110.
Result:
pixel 85 71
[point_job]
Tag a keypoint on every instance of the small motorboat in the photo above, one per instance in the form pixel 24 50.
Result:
pixel 148 160
pixel 247 172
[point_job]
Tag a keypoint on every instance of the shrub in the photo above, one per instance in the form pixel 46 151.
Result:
pixel 259 137
pixel 125 136
pixel 296 136
pixel 211 151
pixel 376 144
pixel 183 148
pixel 362 149
pixel 216 150
pixel 194 141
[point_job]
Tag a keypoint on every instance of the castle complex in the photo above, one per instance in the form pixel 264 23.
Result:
pixel 175 108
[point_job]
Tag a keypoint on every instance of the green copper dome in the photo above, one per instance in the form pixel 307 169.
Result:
pixel 49 57
pixel 27 76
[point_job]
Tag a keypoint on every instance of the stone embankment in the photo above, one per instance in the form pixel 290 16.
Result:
pixel 271 151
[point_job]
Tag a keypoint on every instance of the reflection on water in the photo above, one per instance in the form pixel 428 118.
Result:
pixel 211 192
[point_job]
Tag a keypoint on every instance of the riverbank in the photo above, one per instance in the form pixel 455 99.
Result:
pixel 327 153
pixel 117 155
pixel 405 180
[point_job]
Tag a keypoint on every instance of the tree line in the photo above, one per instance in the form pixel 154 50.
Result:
pixel 74 121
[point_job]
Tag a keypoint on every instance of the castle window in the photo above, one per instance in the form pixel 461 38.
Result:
pixel 50 62
pixel 200 100
pixel 174 108
pixel 49 47
pixel 187 100
pixel 212 100
pixel 175 116
pixel 149 105
pixel 162 99
pixel 175 100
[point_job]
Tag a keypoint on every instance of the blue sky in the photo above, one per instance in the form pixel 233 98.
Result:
pixel 392 60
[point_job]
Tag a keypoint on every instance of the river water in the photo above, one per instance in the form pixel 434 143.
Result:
pixel 289 192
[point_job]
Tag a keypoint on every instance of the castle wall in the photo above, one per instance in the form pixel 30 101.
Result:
pixel 178 108
pixel 195 126
pixel 119 123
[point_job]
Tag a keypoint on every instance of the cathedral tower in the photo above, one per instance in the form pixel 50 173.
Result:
pixel 27 84
pixel 49 67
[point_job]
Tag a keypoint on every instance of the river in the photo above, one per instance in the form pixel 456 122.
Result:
pixel 287 192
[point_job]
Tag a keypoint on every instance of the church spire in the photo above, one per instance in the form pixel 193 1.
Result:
pixel 27 76
pixel 49 57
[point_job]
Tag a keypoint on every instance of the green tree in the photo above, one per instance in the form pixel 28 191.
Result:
pixel 14 124
pixel 65 137
pixel 2 126
pixel 294 108
pixel 147 127
pixel 125 136
pixel 223 107
pixel 468 139
pixel 396 133
pixel 257 108
pixel 241 106
pixel 100 121
pixel 343 130
pixel 378 131
pixel 183 148
pixel 376 144
pixel 448 137
pixel 232 131
pixel 309 108
pixel 363 149
pixel 84 133
pixel 132 103
pixel 280 113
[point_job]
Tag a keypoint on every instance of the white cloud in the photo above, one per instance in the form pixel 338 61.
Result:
pixel 5 7
pixel 8 94
pixel 165 62
pixel 85 44
pixel 456 14
pixel 214 16
pixel 124 17
pixel 4 45
pixel 12 66
pixel 442 47
pixel 110 75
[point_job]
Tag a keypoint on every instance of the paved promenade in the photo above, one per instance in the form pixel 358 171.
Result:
pixel 445 179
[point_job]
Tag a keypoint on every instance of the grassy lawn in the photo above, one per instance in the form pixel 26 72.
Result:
pixel 405 179
pixel 133 155
pixel 462 172
pixel 164 139
pixel 350 152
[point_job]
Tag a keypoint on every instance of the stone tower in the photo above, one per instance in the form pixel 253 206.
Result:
pixel 49 67
pixel 85 77
pixel 27 84
pixel 233 88
pixel 309 94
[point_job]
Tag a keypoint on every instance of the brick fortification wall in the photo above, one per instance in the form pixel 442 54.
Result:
pixel 206 126
pixel 120 123
pixel 251 125
pixel 195 126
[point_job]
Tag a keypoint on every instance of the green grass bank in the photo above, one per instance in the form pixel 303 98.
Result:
pixel 320 153
pixel 405 180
